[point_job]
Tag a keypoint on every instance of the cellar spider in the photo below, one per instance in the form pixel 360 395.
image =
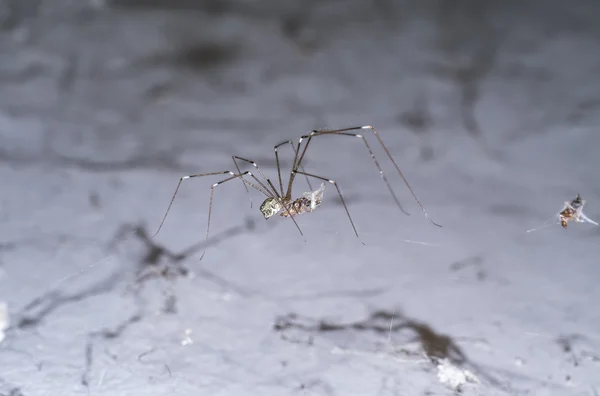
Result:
pixel 280 201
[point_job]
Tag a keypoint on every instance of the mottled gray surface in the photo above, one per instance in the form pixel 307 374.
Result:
pixel 490 108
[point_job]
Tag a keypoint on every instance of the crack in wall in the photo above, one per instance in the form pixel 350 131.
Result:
pixel 437 347
pixel 104 334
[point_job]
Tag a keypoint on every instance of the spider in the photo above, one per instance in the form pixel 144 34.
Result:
pixel 280 201
pixel 571 211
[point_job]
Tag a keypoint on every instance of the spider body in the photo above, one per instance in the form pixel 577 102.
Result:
pixel 308 202
pixel 270 207
pixel 297 207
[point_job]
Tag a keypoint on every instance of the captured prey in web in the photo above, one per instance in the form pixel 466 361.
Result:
pixel 281 200
pixel 308 202
pixel 571 211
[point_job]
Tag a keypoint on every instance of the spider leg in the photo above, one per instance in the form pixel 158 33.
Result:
pixel 276 148
pixel 237 167
pixel 177 189
pixel 339 193
pixel 235 159
pixel 212 190
pixel 287 208
pixel 347 132
pixel 233 176
pixel 387 183
pixel 272 190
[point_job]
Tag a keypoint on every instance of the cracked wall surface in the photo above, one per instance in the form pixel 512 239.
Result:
pixel 489 108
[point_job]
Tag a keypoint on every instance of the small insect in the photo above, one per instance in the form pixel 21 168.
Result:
pixel 571 211
pixel 280 201
pixel 305 204
pixel 574 211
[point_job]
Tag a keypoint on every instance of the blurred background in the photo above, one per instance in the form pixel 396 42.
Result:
pixel 148 80
pixel 490 108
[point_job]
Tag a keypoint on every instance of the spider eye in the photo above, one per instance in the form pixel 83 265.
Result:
pixel 270 207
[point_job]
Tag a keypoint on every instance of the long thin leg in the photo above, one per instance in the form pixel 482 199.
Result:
pixel 177 189
pixel 235 159
pixel 261 188
pixel 254 164
pixel 273 192
pixel 240 176
pixel 276 148
pixel 387 183
pixel 287 209
pixel 339 193
pixel 210 202
pixel 296 164
pixel 345 133
pixel 400 173
pixel 237 167
pixel 299 157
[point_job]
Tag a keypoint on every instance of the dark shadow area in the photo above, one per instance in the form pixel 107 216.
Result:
pixel 214 7
pixel 151 265
pixel 157 261
pixel 104 334
pixel 578 348
pixel 160 262
pixel 39 308
pixel 198 57
pixel 13 392
pixel 14 12
pixel 436 346
pixel 475 262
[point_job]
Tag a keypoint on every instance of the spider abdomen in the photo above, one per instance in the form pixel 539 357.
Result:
pixel 296 207
pixel 308 202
